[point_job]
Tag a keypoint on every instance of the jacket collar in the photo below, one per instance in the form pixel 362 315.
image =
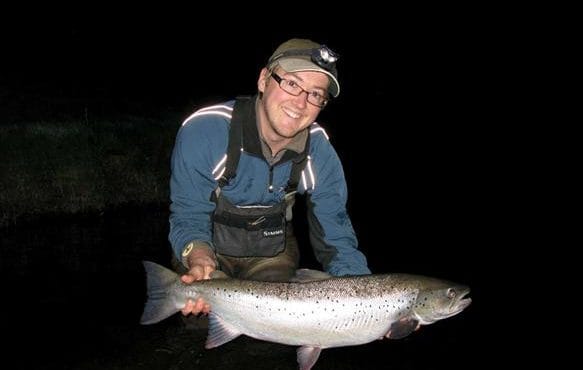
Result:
pixel 252 141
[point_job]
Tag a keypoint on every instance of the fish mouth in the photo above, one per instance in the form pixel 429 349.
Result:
pixel 462 303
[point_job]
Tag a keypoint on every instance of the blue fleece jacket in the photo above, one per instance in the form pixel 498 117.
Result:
pixel 198 161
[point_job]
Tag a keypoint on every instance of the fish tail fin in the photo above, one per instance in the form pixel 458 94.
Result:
pixel 158 306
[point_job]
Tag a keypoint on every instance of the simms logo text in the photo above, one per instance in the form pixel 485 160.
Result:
pixel 271 233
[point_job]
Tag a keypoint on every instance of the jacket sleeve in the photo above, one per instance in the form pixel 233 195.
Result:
pixel 331 233
pixel 196 151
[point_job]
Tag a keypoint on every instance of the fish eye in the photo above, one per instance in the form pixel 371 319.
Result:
pixel 451 293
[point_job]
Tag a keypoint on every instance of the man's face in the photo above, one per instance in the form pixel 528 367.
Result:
pixel 288 114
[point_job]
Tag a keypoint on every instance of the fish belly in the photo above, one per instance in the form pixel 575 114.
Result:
pixel 299 322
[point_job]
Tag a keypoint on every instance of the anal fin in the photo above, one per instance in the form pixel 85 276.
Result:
pixel 307 356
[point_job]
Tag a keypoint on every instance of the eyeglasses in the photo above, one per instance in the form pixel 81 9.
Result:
pixel 291 87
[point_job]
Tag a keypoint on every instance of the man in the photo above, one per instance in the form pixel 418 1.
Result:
pixel 237 166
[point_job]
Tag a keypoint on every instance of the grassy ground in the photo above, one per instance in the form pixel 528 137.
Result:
pixel 84 165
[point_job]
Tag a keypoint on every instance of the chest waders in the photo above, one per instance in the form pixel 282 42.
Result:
pixel 255 242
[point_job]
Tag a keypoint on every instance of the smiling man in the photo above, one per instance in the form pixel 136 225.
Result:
pixel 237 166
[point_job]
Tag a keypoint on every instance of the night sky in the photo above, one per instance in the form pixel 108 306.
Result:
pixel 402 71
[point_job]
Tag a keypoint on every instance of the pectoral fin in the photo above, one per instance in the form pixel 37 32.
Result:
pixel 220 331
pixel 402 328
pixel 307 356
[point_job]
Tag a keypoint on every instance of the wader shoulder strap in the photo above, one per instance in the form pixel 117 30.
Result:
pixel 298 165
pixel 240 110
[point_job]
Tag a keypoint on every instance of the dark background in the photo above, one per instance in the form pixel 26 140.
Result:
pixel 417 126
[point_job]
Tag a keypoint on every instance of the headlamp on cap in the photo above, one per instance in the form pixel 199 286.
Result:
pixel 324 57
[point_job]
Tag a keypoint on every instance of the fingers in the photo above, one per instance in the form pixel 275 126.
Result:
pixel 202 272
pixel 188 307
pixel 204 307
pixel 196 307
pixel 197 272
pixel 187 279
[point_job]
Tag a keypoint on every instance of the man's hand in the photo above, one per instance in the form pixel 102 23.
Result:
pixel 201 263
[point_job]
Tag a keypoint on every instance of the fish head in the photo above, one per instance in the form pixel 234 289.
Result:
pixel 440 301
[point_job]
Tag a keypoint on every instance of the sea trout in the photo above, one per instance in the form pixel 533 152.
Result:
pixel 315 314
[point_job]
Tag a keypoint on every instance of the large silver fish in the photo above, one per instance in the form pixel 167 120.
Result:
pixel 322 313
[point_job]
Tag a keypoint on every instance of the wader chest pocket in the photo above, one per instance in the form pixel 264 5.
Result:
pixel 249 231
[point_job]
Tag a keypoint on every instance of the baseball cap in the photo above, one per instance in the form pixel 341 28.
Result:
pixel 298 55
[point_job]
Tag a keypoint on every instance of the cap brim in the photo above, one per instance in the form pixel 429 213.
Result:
pixel 302 65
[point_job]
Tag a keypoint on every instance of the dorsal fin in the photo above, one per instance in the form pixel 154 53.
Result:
pixel 218 274
pixel 307 275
